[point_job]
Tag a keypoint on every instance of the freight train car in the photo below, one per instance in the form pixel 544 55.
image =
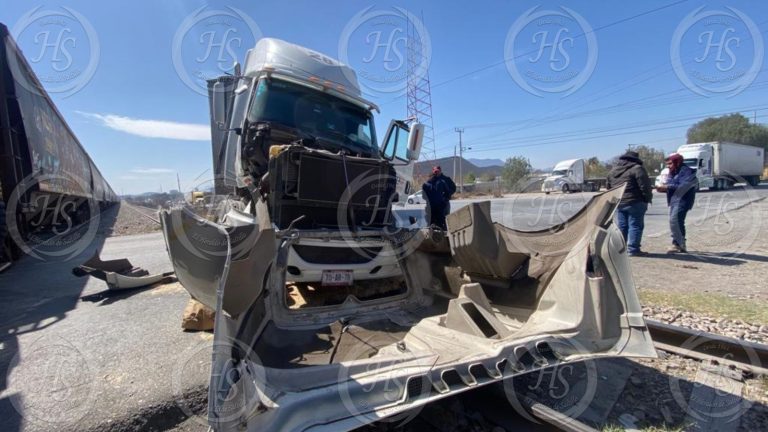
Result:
pixel 45 174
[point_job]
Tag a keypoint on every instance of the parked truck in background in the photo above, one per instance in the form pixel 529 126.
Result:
pixel 570 176
pixel 720 165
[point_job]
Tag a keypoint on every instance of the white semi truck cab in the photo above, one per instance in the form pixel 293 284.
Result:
pixel 293 130
pixel 568 176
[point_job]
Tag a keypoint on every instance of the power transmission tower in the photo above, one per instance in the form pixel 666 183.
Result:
pixel 419 91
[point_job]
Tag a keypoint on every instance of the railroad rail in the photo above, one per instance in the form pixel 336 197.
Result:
pixel 743 355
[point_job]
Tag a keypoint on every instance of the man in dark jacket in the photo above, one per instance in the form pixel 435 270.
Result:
pixel 438 191
pixel 638 193
pixel 681 193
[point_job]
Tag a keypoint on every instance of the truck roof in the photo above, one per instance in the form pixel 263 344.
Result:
pixel 289 59
pixel 565 164
pixel 693 146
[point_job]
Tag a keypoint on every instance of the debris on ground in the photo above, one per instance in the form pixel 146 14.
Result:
pixel 120 273
pixel 197 317
pixel 735 328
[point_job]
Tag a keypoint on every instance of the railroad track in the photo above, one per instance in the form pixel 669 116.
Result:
pixel 742 355
pixel 146 212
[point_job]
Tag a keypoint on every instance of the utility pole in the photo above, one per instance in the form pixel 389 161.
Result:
pixel 454 161
pixel 461 152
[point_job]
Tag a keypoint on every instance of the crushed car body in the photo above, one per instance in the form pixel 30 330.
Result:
pixel 381 315
pixel 482 304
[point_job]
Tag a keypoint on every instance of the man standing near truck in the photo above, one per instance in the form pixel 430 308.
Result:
pixel 438 191
pixel 638 193
pixel 681 193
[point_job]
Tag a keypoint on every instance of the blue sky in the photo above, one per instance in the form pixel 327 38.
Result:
pixel 142 123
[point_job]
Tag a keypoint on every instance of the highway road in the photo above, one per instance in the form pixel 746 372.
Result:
pixel 530 212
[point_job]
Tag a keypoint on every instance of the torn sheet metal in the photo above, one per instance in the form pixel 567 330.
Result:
pixel 200 249
pixel 483 304
pixel 120 274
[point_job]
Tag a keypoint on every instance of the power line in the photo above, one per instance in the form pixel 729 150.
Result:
pixel 618 128
pixel 598 134
pixel 504 60
pixel 630 106
pixel 533 121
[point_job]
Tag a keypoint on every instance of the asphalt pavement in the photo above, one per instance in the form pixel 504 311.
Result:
pixel 76 357
pixel 535 211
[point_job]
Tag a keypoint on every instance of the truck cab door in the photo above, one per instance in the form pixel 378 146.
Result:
pixel 402 146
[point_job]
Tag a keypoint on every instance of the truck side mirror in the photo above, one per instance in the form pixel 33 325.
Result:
pixel 218 105
pixel 415 139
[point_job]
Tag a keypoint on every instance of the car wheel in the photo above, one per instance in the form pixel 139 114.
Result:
pixel 410 201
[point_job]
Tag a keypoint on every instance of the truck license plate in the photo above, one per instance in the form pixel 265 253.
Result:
pixel 337 278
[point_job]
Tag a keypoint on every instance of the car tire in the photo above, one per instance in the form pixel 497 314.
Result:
pixel 410 201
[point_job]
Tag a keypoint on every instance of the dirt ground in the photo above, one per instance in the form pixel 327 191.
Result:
pixel 724 273
pixel 130 220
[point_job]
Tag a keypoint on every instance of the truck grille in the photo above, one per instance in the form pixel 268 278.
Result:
pixel 336 255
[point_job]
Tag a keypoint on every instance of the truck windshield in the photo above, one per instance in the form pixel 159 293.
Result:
pixel 315 113
pixel 693 163
pixel 559 172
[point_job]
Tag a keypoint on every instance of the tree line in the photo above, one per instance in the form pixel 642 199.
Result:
pixel 731 128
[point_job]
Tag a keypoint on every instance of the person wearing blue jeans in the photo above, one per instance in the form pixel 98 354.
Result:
pixel 631 221
pixel 681 194
pixel 638 193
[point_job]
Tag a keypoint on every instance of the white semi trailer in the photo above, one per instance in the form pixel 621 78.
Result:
pixel 720 165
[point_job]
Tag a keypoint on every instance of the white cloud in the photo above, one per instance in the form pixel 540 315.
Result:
pixel 152 171
pixel 153 128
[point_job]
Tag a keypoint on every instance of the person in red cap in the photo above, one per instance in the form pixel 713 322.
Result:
pixel 438 191
pixel 681 193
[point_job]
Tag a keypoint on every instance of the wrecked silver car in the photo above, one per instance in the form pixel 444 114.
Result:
pixel 296 155
pixel 483 304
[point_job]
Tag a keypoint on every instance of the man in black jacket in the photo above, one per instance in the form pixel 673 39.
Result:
pixel 630 216
pixel 438 191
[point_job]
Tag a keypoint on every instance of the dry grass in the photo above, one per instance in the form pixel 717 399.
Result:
pixel 714 305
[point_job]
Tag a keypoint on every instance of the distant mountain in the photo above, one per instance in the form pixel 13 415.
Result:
pixel 484 163
pixel 424 168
